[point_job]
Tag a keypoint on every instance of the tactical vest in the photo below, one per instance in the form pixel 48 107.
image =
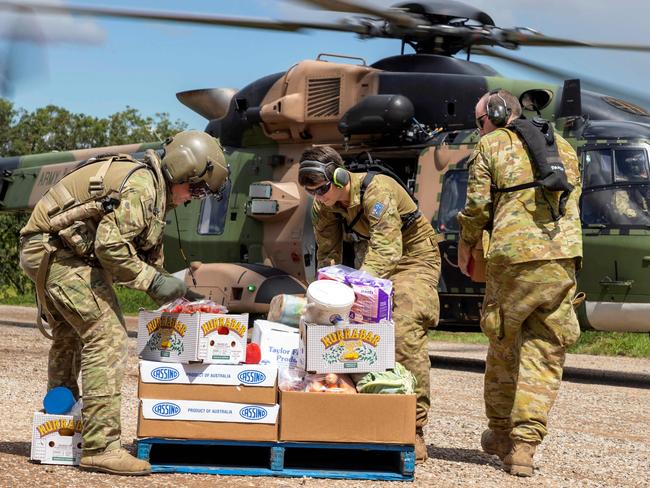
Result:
pixel 539 141
pixel 73 207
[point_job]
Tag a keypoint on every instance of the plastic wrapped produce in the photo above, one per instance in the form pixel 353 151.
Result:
pixel 397 381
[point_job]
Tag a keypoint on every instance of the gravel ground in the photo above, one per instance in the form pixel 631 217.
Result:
pixel 599 435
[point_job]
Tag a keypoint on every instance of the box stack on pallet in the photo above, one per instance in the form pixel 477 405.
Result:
pixel 192 384
pixel 303 419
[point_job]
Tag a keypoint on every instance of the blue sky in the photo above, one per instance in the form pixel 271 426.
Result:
pixel 143 64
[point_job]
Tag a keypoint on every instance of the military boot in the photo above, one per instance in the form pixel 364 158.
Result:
pixel 519 461
pixel 496 442
pixel 420 447
pixel 115 461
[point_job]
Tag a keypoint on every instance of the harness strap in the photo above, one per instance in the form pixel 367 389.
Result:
pixel 96 183
pixel 407 219
pixel 41 277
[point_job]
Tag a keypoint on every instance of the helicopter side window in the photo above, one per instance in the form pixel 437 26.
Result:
pixel 212 218
pixel 452 200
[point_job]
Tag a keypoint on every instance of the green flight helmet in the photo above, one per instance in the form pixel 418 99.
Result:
pixel 195 157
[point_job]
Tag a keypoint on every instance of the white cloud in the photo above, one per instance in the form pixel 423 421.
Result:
pixel 48 28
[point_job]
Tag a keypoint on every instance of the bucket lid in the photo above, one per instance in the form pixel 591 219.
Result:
pixel 58 401
pixel 330 294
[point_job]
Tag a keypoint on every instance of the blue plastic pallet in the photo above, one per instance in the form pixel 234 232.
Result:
pixel 288 459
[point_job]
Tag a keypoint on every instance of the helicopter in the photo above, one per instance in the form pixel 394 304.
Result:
pixel 409 114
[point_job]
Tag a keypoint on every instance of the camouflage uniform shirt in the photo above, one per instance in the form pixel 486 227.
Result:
pixel 384 203
pixel 522 228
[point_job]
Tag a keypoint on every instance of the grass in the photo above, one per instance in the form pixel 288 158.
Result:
pixel 629 344
pixel 130 300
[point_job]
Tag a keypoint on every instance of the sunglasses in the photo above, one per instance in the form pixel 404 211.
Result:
pixel 321 190
pixel 480 122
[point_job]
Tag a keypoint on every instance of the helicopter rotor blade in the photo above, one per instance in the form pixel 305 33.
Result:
pixel 394 16
pixel 529 37
pixel 204 19
pixel 588 83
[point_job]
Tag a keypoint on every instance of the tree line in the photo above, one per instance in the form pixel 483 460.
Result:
pixel 54 128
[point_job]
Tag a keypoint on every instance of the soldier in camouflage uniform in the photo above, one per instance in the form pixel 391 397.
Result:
pixel 100 225
pixel 531 263
pixel 399 244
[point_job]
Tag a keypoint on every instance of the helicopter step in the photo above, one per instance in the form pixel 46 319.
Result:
pixel 284 459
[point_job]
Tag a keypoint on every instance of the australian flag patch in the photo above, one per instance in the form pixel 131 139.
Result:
pixel 377 210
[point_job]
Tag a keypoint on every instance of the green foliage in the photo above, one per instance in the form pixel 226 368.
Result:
pixel 464 337
pixel 600 343
pixel 613 344
pixel 13 282
pixel 54 128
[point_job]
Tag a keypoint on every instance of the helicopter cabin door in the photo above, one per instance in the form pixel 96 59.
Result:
pixel 615 211
pixel 441 188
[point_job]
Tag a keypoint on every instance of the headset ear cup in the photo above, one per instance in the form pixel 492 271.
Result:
pixel 497 110
pixel 341 177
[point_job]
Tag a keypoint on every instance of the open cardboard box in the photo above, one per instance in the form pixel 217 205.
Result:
pixel 56 439
pixel 328 417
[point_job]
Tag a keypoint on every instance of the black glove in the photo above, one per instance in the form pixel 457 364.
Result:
pixel 193 296
pixel 165 288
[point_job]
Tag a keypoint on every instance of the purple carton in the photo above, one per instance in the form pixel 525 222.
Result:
pixel 337 272
pixel 374 298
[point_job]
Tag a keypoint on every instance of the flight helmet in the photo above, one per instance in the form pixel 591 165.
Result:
pixel 196 158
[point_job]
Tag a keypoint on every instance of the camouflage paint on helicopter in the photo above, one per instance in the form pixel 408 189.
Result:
pixel 26 178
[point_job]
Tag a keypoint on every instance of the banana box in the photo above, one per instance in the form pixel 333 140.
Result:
pixel 198 337
pixel 347 347
pixel 56 439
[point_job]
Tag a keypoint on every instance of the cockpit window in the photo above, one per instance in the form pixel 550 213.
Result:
pixel 631 165
pixel 615 166
pixel 212 219
pixel 598 168
pixel 452 200
pixel 616 190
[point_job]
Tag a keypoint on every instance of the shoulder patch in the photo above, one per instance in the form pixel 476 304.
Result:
pixel 377 210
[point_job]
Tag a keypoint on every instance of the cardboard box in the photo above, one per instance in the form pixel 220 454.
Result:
pixel 56 439
pixel 186 429
pixel 347 348
pixel 326 417
pixel 278 342
pixel 183 338
pixel 179 419
pixel 245 383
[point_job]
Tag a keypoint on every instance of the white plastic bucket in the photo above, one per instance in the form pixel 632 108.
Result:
pixel 331 301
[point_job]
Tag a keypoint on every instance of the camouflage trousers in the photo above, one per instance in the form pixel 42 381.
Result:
pixel 416 307
pixel 529 319
pixel 89 335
